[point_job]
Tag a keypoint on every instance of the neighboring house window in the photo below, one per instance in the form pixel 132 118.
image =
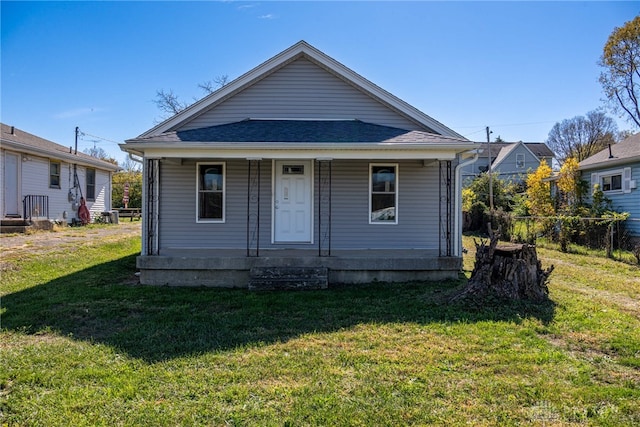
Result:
pixel 520 161
pixel 211 191
pixel 611 182
pixel 91 184
pixel 618 180
pixel 54 174
pixel 383 197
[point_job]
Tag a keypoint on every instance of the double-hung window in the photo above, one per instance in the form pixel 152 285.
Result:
pixel 54 174
pixel 211 192
pixel 611 182
pixel 91 184
pixel 520 161
pixel 383 193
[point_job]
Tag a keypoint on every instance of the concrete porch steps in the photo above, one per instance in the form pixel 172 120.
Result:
pixel 19 225
pixel 288 278
pixel 14 225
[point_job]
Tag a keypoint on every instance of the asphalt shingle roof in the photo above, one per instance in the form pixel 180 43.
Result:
pixel 540 149
pixel 301 131
pixel 626 149
pixel 25 140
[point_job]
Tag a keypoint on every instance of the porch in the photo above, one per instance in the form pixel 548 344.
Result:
pixel 232 268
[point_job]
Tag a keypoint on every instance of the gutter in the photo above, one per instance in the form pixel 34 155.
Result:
pixel 58 155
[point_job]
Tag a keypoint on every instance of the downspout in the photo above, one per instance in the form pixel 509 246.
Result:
pixel 135 159
pixel 457 248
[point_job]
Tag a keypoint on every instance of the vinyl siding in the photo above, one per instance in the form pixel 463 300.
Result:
pixel 623 202
pixel 418 194
pixel 34 180
pixel 508 169
pixel 301 90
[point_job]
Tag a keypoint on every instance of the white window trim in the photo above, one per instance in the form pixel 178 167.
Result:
pixel 224 193
pixel 59 163
pixel 86 183
pixel 518 155
pixel 610 173
pixel 397 191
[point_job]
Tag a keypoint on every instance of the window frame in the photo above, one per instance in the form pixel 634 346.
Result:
pixel 610 175
pixel 518 155
pixel 58 175
pixel 92 185
pixel 395 192
pixel 221 220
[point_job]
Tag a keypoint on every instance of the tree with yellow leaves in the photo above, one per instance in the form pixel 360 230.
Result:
pixel 570 185
pixel 539 199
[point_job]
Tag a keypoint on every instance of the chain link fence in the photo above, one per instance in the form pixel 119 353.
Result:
pixel 608 237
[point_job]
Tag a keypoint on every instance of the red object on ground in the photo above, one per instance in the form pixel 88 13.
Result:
pixel 83 212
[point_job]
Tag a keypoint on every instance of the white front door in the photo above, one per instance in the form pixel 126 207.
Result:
pixel 10 190
pixel 292 201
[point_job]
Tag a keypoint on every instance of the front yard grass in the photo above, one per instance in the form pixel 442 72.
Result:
pixel 82 344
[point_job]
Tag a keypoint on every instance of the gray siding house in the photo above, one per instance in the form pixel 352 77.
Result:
pixel 300 162
pixel 617 170
pixel 43 180
pixel 510 161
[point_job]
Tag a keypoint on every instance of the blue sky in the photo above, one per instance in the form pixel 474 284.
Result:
pixel 518 67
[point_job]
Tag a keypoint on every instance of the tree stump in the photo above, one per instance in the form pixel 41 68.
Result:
pixel 507 271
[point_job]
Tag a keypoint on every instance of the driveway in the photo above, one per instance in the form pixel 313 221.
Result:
pixel 15 245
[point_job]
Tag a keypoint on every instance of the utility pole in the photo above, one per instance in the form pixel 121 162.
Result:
pixel 490 171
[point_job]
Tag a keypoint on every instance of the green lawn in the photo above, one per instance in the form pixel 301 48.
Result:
pixel 81 344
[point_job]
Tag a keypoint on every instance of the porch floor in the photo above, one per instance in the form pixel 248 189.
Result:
pixel 231 267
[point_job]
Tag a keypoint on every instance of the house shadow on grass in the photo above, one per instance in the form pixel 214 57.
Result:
pixel 101 304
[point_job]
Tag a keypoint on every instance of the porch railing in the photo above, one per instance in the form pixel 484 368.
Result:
pixel 35 206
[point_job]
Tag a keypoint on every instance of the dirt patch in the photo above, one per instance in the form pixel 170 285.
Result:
pixel 14 246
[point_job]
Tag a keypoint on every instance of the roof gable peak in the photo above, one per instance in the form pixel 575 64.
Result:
pixel 301 49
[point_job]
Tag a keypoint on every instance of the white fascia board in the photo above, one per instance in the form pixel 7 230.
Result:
pixel 308 151
pixel 375 90
pixel 203 104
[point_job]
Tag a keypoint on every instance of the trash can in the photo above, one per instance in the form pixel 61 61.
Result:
pixel 114 217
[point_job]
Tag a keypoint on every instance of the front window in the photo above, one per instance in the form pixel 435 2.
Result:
pixel 520 161
pixel 91 184
pixel 612 182
pixel 383 194
pixel 54 174
pixel 211 190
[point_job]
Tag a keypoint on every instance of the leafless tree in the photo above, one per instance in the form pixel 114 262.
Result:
pixel 170 104
pixel 582 136
pixel 99 153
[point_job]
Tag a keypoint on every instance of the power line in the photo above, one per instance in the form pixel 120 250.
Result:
pixel 482 128
pixel 82 133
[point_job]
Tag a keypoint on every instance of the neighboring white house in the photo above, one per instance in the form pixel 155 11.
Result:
pixel 300 162
pixel 617 170
pixel 45 180
pixel 510 161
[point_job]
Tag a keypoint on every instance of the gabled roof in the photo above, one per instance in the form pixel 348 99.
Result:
pixel 301 131
pixel 24 142
pixel 623 152
pixel 538 149
pixel 507 150
pixel 301 50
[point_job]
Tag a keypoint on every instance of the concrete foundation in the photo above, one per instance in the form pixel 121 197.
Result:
pixel 231 268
